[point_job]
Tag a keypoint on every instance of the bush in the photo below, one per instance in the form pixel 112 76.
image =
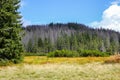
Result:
pixel 92 53
pixel 79 53
pixel 113 59
pixel 63 53
pixel 5 62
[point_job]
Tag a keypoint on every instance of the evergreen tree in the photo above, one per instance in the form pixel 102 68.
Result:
pixel 30 46
pixel 10 24
pixel 47 45
pixel 59 43
pixel 67 42
pixel 40 42
pixel 73 42
pixel 35 45
pixel 40 45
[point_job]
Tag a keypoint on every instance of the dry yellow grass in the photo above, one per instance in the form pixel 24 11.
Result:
pixel 78 60
pixel 43 68
pixel 90 71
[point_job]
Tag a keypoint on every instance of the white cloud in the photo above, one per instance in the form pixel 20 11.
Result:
pixel 110 18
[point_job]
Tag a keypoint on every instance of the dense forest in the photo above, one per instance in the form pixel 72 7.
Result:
pixel 70 36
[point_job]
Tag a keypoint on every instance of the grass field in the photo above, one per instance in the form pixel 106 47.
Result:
pixel 43 68
pixel 78 60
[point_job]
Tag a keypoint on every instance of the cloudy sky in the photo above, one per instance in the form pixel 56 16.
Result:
pixel 95 13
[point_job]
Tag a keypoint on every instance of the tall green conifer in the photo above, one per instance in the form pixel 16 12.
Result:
pixel 10 25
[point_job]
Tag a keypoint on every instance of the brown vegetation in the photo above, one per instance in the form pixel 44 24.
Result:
pixel 113 59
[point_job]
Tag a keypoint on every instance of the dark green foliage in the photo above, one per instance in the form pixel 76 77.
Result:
pixel 79 53
pixel 10 26
pixel 29 46
pixel 51 24
pixel 63 53
pixel 92 53
pixel 73 26
pixel 4 62
pixel 76 26
pixel 40 43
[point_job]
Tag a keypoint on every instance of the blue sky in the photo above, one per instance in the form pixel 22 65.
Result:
pixel 89 12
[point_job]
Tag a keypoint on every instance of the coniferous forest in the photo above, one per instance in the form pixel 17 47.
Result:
pixel 41 39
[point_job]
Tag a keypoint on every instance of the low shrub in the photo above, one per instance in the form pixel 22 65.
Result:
pixel 79 53
pixel 113 59
pixel 5 62
pixel 92 53
pixel 63 53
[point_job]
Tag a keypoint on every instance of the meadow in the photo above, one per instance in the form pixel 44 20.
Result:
pixel 44 68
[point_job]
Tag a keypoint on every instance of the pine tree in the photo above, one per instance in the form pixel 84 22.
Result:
pixel 10 25
pixel 29 46
pixel 40 45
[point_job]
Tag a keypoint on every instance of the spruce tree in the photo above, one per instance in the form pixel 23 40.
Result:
pixel 10 25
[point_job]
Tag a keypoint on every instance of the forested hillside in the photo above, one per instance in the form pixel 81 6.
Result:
pixel 71 36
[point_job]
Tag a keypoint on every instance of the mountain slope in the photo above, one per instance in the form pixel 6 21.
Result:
pixel 71 36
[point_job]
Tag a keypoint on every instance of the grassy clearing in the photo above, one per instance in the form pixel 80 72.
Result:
pixel 43 68
pixel 90 71
pixel 78 60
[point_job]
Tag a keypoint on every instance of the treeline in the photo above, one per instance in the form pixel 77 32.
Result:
pixel 70 36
